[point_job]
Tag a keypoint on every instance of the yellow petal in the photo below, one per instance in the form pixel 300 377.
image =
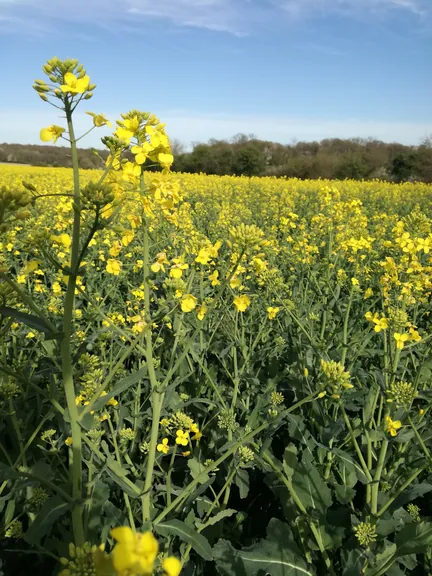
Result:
pixel 172 566
pixel 46 135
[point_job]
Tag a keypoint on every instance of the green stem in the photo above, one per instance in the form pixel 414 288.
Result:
pixel 66 353
pixel 355 444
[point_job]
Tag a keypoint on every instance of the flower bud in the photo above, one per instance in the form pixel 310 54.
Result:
pixel 40 82
pixel 53 78
pixel 92 87
pixel 58 92
pixel 81 74
pixel 43 96
pixel 47 69
pixel 88 96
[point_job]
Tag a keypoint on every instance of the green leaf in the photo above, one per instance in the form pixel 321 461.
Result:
pixel 216 518
pixel 370 404
pixel 241 480
pixel 119 475
pixel 290 461
pixel 277 555
pixel 344 494
pixel 30 320
pixel 177 528
pixel 414 538
pixel 196 468
pixel 411 493
pixel 351 464
pixel 311 487
pixel 50 512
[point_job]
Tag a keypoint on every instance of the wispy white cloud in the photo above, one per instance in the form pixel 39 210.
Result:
pixel 233 16
pixel 23 126
pixel 309 7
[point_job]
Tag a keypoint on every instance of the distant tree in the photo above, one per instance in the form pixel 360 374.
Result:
pixel 249 161
pixel 402 167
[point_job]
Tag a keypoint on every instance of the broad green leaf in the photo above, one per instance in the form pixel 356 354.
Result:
pixel 177 528
pixel 30 320
pixel 411 493
pixel 349 461
pixel 50 512
pixel 290 461
pixel 196 468
pixel 414 538
pixel 217 518
pixel 277 555
pixel 241 480
pixel 344 494
pixel 311 487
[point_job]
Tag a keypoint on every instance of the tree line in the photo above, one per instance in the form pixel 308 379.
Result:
pixel 332 158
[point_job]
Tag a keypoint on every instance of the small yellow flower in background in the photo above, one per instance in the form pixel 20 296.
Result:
pixel 182 438
pixel 74 85
pixel 134 553
pixel 201 312
pixel 305 372
pixel 163 446
pixel 400 340
pixel 214 278
pixel 171 566
pixel 68 441
pixel 51 133
pixel 235 282
pixel 113 266
pixel 187 453
pixel 63 239
pixel 355 282
pixel 322 394
pixel 421 412
pixel 272 312
pixel 99 120
pixel 414 335
pixel 31 335
pixel 392 426
pixel 176 270
pixel 368 293
pixel 112 402
pixel 203 257
pixel 241 302
pixel 21 278
pixel 128 128
pixel 188 303
pixel 161 261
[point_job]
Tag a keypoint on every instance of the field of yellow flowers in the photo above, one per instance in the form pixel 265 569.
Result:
pixel 210 375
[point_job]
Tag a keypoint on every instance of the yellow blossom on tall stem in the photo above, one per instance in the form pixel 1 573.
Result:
pixel 74 85
pixel 400 340
pixel 113 266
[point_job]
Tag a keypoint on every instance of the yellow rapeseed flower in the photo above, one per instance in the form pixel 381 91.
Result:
pixel 400 340
pixel 74 85
pixel 113 266
pixel 68 441
pixel 99 120
pixel 188 303
pixel 201 312
pixel 272 312
pixel 182 438
pixel 171 566
pixel 134 553
pixel 51 133
pixel 392 426
pixel 241 302
pixel 163 446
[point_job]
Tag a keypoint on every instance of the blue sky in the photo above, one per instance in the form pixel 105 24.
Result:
pixel 284 70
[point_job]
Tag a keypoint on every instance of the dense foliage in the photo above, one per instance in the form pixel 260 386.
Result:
pixel 233 372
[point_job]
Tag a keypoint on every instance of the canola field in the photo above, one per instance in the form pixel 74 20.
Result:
pixel 262 345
